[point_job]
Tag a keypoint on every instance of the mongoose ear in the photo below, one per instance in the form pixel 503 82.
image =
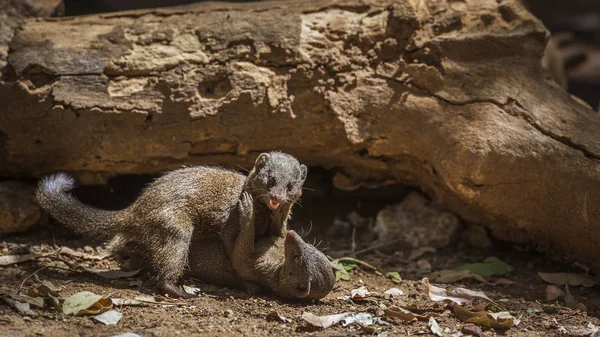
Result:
pixel 303 172
pixel 262 160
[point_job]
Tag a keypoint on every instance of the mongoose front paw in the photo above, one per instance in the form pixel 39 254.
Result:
pixel 174 291
pixel 246 205
pixel 252 288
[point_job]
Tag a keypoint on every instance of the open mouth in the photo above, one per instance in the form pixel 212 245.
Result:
pixel 273 203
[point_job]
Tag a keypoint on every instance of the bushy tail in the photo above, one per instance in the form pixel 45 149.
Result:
pixel 53 197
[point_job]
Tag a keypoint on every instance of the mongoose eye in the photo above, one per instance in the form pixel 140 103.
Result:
pixel 290 187
pixel 296 258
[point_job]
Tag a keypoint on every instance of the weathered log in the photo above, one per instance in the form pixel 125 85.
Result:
pixel 448 96
pixel 14 12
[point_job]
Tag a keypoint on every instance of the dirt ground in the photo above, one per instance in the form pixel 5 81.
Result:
pixel 226 312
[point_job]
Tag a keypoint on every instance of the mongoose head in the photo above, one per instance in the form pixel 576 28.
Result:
pixel 306 272
pixel 277 178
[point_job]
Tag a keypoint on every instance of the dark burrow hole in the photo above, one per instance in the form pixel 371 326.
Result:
pixel 215 88
pixel 317 211
pixel 316 216
pixel 318 208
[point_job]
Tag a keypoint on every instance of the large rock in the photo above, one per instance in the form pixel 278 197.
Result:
pixel 449 96
pixel 18 209
pixel 415 222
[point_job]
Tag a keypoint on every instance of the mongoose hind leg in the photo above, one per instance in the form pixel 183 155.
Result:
pixel 169 256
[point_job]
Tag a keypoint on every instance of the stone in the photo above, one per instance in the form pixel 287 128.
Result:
pixel 18 209
pixel 417 222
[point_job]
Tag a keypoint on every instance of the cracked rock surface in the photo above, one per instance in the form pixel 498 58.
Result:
pixel 449 96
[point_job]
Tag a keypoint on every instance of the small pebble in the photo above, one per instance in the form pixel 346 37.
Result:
pixel 471 329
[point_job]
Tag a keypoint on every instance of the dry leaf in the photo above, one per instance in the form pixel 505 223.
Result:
pixel 392 292
pixel 504 315
pixel 111 317
pixel 153 300
pixel 68 251
pixel 22 307
pixel 103 305
pixel 35 301
pixel 324 321
pixel 119 302
pixel 560 279
pixel 7 260
pixel 86 303
pixel 405 315
pixel 438 331
pixel 500 320
pixel 468 294
pixel 113 274
pixel 589 330
pixel 358 294
pixel 275 316
pixel 457 295
pixel 480 307
pixel 553 293
pixel 43 290
pixel 362 318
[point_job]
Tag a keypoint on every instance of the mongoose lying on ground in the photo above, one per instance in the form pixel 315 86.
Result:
pixel 289 267
pixel 194 202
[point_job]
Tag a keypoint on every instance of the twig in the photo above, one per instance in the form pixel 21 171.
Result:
pixel 37 271
pixel 28 277
pixel 357 261
pixel 369 249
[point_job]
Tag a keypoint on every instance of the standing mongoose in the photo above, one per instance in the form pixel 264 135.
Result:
pixel 192 202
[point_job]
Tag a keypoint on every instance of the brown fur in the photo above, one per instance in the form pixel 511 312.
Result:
pixel 288 266
pixel 194 202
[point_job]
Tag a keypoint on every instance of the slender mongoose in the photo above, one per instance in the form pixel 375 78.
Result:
pixel 287 266
pixel 190 202
pixel 312 277
pixel 296 270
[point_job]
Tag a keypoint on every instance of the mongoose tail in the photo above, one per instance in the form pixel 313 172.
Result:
pixel 52 194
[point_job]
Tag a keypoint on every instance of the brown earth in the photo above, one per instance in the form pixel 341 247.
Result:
pixel 220 311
